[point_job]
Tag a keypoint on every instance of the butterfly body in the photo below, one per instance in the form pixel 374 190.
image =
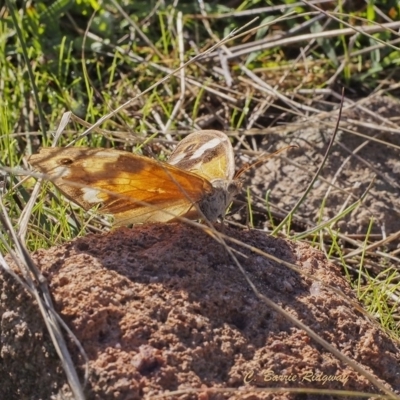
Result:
pixel 137 189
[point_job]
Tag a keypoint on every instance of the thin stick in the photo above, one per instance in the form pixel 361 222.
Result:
pixel 296 206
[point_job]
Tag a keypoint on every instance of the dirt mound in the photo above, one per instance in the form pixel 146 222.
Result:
pixel 162 307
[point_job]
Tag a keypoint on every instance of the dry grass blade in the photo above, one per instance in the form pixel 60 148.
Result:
pixel 12 9
pixel 372 246
pixel 268 44
pixel 284 391
pixel 27 211
pixel 392 26
pixel 333 220
pixel 179 103
pixel 311 184
pixel 232 35
pixel 42 296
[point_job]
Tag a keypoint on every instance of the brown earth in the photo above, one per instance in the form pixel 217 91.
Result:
pixel 160 308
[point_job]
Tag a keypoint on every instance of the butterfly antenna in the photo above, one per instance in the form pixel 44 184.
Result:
pixel 261 160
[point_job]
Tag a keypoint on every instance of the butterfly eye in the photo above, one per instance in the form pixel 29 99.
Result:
pixel 234 187
pixel 65 161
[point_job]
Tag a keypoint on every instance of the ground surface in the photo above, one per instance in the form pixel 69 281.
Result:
pixel 162 307
pixel 288 175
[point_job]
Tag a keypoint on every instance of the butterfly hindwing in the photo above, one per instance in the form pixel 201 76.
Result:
pixel 206 153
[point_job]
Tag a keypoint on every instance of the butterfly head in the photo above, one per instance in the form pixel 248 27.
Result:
pixel 214 205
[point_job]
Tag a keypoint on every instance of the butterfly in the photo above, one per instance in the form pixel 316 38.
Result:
pixel 197 182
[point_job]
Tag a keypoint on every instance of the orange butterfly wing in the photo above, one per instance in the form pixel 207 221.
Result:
pixel 134 189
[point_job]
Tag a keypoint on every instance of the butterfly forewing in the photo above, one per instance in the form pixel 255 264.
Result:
pixel 128 186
